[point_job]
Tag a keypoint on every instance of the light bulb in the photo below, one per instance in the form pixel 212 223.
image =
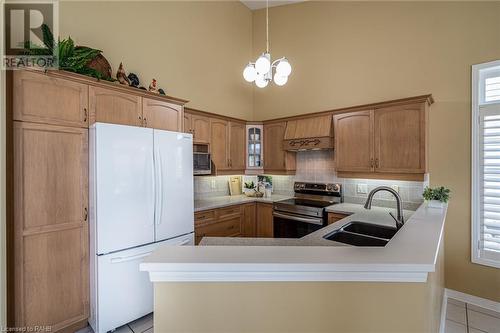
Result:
pixel 263 64
pixel 261 82
pixel 249 73
pixel 280 80
pixel 283 68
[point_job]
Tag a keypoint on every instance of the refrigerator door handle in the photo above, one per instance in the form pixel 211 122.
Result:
pixel 160 190
pixel 153 175
pixel 129 258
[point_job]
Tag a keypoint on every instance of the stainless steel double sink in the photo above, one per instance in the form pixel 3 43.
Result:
pixel 359 233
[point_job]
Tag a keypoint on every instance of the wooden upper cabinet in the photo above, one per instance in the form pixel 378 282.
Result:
pixel 187 122
pixel 400 139
pixel 110 106
pixel 354 141
pixel 162 115
pixel 237 143
pixel 219 143
pixel 197 125
pixel 388 142
pixel 201 128
pixel 276 159
pixel 40 98
pixel 50 225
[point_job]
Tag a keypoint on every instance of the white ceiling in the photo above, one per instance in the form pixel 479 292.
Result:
pixel 258 4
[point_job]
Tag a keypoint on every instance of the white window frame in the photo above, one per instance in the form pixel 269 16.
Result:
pixel 478 256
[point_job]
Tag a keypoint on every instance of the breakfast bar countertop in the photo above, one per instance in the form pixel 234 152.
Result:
pixel 408 257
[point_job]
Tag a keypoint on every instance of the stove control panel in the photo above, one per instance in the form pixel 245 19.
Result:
pixel 318 188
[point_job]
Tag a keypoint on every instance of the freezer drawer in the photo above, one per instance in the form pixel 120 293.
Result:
pixel 123 292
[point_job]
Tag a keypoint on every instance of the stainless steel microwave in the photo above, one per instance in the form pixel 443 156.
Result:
pixel 202 163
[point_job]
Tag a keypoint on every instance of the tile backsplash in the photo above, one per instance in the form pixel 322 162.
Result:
pixel 210 186
pixel 318 166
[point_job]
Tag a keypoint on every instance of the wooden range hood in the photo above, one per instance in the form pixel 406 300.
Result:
pixel 313 133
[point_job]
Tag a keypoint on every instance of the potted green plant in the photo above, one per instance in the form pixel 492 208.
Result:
pixel 436 197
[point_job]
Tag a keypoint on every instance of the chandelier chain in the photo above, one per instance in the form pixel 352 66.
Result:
pixel 267 26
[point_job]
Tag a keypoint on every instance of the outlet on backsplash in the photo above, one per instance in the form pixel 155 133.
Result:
pixel 362 189
pixel 213 184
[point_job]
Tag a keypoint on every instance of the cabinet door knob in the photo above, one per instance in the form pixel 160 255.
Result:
pixel 85 115
pixel 85 214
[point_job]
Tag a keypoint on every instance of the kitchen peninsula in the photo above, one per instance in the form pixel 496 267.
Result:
pixel 391 289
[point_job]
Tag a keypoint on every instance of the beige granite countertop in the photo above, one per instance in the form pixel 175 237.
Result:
pixel 225 201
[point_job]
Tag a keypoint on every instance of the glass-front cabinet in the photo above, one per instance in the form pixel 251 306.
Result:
pixel 255 147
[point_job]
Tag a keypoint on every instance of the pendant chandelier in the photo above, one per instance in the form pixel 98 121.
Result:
pixel 261 71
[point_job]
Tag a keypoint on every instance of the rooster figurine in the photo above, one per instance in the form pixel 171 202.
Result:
pixel 153 87
pixel 122 76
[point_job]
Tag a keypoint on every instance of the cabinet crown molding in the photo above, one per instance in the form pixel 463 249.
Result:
pixel 109 85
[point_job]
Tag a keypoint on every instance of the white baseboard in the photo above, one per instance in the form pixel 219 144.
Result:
pixel 474 300
pixel 444 305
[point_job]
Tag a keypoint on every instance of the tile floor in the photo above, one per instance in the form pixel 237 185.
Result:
pixel 141 325
pixel 467 318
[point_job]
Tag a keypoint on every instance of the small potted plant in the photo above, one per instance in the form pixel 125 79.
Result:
pixel 436 197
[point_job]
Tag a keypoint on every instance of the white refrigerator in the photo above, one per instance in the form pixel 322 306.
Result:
pixel 141 197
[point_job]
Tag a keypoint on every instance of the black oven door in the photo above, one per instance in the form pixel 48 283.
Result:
pixel 288 225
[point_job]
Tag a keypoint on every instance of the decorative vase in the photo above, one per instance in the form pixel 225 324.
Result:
pixel 249 192
pixel 435 204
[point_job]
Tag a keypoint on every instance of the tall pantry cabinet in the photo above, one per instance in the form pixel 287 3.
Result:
pixel 48 243
pixel 50 230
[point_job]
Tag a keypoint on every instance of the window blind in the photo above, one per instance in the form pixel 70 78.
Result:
pixel 489 172
pixel 492 89
pixel 486 164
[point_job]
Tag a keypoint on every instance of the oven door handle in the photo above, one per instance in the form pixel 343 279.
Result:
pixel 299 218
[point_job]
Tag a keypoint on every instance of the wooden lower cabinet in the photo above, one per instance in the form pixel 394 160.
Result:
pixel 265 227
pixel 221 222
pixel 249 225
pixel 51 253
pixel 335 217
pixel 222 228
pixel 244 220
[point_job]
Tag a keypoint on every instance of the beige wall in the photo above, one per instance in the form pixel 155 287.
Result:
pixel 342 54
pixel 196 50
pixel 354 53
